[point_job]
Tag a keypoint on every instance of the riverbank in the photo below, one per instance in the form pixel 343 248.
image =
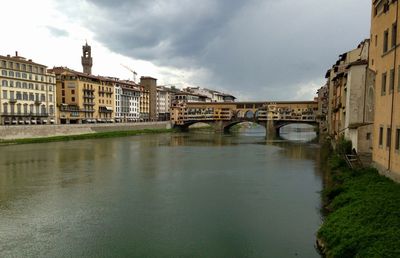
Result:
pixel 8 133
pixel 84 136
pixel 363 214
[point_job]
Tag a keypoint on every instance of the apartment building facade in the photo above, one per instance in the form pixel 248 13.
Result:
pixel 384 61
pixel 84 98
pixel 27 92
pixel 127 101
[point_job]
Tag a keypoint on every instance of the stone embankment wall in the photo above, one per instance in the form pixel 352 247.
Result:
pixel 38 131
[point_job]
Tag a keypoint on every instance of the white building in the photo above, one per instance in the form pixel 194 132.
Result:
pixel 212 95
pixel 164 102
pixel 127 101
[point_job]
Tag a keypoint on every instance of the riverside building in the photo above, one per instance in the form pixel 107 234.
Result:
pixel 127 101
pixel 384 61
pixel 84 98
pixel 27 92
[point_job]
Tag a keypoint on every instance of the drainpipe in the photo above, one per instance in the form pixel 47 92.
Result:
pixel 392 107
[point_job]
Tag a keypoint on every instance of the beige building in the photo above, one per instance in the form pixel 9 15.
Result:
pixel 84 98
pixel 27 92
pixel 350 98
pixel 384 60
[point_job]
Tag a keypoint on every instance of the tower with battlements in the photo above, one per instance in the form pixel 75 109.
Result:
pixel 87 60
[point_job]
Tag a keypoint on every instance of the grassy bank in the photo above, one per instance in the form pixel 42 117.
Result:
pixel 363 217
pixel 84 136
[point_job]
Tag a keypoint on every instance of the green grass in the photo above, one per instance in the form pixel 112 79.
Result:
pixel 364 214
pixel 84 136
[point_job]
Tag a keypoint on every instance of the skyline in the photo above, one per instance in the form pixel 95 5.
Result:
pixel 250 50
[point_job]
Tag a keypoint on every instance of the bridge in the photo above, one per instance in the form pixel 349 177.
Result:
pixel 223 115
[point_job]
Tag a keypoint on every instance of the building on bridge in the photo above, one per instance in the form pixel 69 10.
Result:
pixel 272 115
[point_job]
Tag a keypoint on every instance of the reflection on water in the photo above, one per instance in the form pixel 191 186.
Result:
pixel 198 194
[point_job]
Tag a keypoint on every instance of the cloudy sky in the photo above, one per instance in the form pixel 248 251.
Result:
pixel 254 49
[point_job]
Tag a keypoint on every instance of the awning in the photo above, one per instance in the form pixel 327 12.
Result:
pixel 109 108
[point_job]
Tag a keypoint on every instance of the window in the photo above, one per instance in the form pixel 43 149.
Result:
pixel 51 110
pixel 4 83
pixel 11 83
pixel 25 96
pixel 5 108
pixel 18 74
pixel 23 67
pixel 4 72
pixel 42 87
pixel 397 139
pixel 25 109
pixel 17 66
pixel 43 110
pixel 385 41
pixel 388 137
pixel 24 76
pixel 30 86
pixel 11 65
pixel 73 99
pixel 4 64
pixel 63 100
pixel 31 97
pixel 42 97
pixel 383 88
pixel 391 81
pixel 19 95
pixel 380 136
pixel 394 34
pixel 72 92
pixel 51 98
pixel 11 73
pixel 4 94
pixel 19 108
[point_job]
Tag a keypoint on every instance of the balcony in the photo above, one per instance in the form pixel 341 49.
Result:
pixel 88 104
pixel 30 114
pixel 88 96
pixel 12 100
pixel 38 102
pixel 88 90
pixel 88 110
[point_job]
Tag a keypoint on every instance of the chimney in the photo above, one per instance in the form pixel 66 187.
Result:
pixel 16 53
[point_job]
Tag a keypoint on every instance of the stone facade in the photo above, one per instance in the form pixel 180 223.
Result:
pixel 27 92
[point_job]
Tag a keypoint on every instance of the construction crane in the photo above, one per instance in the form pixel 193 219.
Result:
pixel 132 71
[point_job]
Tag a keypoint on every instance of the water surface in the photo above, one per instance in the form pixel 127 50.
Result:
pixel 169 195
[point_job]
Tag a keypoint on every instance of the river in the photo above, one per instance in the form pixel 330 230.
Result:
pixel 193 194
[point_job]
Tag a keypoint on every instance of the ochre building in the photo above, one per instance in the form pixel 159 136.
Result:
pixel 384 60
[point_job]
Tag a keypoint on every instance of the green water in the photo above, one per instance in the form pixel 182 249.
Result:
pixel 169 195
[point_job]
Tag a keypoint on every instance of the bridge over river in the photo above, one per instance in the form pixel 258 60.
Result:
pixel 222 116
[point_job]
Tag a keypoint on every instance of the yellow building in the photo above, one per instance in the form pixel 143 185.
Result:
pixel 384 60
pixel 144 104
pixel 27 92
pixel 84 98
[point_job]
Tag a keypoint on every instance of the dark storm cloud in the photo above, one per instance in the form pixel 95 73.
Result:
pixel 263 49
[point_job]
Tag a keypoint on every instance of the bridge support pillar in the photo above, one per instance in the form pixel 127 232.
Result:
pixel 270 127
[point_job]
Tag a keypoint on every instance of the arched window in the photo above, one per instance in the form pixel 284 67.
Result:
pixel 4 83
pixel 18 85
pixel 51 110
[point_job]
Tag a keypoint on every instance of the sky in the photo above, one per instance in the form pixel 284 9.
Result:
pixel 254 49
